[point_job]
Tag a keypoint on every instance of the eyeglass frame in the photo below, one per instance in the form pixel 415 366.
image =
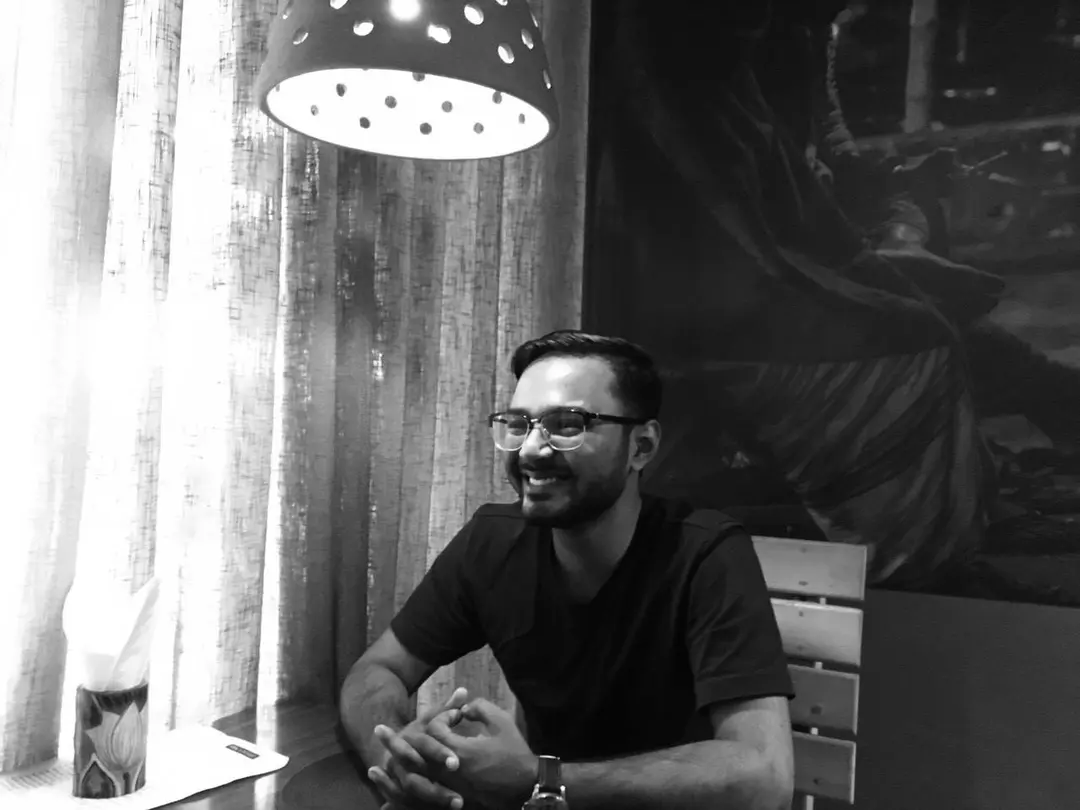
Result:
pixel 536 422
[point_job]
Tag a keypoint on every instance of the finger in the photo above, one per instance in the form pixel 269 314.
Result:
pixel 480 709
pixel 398 747
pixel 430 748
pixel 424 790
pixel 451 716
pixel 455 701
pixel 441 731
pixel 418 789
pixel 394 795
pixel 458 698
pixel 386 786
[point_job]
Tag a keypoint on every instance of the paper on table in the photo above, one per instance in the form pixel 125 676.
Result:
pixel 179 764
pixel 110 632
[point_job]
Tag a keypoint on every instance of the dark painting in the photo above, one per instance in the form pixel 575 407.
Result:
pixel 868 335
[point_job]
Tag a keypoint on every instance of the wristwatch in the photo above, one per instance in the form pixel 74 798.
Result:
pixel 549 791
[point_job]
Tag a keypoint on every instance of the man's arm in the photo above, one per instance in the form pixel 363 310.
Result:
pixel 376 692
pixel 748 766
pixel 436 625
pixel 740 677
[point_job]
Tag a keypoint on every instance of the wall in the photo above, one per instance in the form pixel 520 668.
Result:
pixel 968 705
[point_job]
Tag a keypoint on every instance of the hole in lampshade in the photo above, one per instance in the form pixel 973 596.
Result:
pixel 425 129
pixel 496 97
pixel 506 54
pixel 299 36
pixel 547 80
pixel 521 118
pixel 341 90
pixel 419 77
pixel 364 123
pixel 391 102
pixel 447 106
pixel 478 128
pixel 285 12
pixel 473 14
pixel 337 4
pixel 314 109
pixel 527 39
pixel 363 28
pixel 439 33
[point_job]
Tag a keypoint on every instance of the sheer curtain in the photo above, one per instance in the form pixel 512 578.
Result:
pixel 248 363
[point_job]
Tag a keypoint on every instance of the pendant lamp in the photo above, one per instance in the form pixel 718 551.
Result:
pixel 441 79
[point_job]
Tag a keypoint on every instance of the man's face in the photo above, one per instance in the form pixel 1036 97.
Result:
pixel 587 480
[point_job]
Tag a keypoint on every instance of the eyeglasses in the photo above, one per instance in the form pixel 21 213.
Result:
pixel 562 428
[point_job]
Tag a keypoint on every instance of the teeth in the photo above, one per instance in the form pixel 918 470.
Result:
pixel 535 480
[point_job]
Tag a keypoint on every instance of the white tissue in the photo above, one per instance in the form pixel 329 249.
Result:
pixel 109 633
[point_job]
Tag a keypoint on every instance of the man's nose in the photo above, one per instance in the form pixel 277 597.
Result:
pixel 536 443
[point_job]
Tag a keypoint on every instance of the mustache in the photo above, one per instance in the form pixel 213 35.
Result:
pixel 540 471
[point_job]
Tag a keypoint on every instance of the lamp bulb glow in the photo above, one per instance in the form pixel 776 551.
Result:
pixel 405 10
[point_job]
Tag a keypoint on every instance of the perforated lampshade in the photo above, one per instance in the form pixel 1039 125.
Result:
pixel 444 79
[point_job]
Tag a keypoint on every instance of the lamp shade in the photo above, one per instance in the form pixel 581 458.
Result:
pixel 443 79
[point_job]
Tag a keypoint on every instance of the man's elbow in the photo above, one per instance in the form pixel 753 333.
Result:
pixel 774 782
pixel 353 685
pixel 767 784
pixel 365 681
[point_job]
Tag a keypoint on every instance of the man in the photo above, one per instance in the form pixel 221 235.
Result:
pixel 637 634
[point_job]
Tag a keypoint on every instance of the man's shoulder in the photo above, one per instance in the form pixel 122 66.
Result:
pixel 691 535
pixel 711 523
pixel 494 530
pixel 696 525
pixel 494 521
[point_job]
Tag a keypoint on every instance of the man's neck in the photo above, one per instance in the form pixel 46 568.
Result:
pixel 590 553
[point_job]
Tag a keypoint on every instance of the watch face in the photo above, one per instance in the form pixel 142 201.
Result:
pixel 547 775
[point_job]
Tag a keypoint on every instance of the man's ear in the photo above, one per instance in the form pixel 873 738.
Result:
pixel 645 444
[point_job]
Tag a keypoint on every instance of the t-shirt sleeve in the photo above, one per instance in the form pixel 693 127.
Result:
pixel 734 643
pixel 439 622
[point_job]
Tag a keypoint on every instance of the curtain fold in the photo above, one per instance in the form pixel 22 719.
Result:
pixel 357 206
pixel 259 366
pixel 219 386
pixel 302 487
pixel 54 176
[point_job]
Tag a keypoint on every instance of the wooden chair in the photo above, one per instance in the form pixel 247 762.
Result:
pixel 807 579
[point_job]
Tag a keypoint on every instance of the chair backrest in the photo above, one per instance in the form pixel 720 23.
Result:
pixel 818 589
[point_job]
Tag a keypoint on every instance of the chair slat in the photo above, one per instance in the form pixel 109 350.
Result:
pixel 824 767
pixel 824 698
pixel 812 567
pixel 817 632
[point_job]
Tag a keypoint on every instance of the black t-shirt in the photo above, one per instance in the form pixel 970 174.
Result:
pixel 684 621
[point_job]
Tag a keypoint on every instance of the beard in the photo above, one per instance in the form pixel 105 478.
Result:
pixel 574 502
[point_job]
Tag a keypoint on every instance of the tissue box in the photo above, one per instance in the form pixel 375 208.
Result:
pixel 110 742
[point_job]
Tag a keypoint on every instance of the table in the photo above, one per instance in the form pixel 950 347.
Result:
pixel 309 736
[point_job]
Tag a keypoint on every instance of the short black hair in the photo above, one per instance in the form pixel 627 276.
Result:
pixel 637 382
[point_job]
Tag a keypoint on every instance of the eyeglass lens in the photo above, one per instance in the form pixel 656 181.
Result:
pixel 562 429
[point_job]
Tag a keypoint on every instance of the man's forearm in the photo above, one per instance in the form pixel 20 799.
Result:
pixel 702 775
pixel 373 696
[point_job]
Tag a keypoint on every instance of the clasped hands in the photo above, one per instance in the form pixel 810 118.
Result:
pixel 462 751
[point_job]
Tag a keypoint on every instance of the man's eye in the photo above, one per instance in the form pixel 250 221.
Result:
pixel 564 424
